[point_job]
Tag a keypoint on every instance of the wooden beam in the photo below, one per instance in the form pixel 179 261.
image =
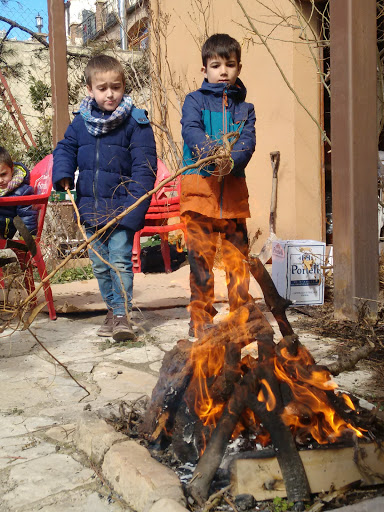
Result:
pixel 58 64
pixel 325 468
pixel 354 156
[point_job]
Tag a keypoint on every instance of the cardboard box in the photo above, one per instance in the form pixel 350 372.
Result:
pixel 297 270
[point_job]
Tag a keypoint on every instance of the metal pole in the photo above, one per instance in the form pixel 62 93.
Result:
pixel 354 156
pixel 58 63
pixel 123 24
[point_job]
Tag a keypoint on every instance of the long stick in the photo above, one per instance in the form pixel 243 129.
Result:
pixel 200 163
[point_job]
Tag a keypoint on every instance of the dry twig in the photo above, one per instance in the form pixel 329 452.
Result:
pixel 60 364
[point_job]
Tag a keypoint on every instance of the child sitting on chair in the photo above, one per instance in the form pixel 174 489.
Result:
pixel 14 181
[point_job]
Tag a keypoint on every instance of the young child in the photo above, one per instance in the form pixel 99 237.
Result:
pixel 112 144
pixel 14 181
pixel 214 199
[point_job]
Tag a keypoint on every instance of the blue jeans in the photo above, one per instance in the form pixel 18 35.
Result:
pixel 115 246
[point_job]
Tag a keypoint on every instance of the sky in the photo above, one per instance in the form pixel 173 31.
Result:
pixel 24 13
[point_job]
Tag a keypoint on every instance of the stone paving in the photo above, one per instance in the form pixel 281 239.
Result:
pixel 56 454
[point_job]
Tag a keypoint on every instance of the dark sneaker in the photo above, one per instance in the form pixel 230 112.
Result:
pixel 106 330
pixel 122 328
pixel 200 331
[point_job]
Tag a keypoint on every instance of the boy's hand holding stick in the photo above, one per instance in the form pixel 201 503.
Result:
pixel 65 183
pixel 224 162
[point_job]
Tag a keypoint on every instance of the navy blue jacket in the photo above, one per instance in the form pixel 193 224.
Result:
pixel 115 169
pixel 26 212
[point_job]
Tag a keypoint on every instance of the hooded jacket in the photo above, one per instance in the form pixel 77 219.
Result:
pixel 26 212
pixel 208 113
pixel 115 168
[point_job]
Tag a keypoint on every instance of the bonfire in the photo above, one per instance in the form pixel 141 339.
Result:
pixel 237 383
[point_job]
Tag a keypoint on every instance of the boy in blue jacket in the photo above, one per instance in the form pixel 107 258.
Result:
pixel 14 181
pixel 112 144
pixel 214 199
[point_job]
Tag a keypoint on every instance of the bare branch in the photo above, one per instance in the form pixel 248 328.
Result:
pixel 59 363
pixel 253 27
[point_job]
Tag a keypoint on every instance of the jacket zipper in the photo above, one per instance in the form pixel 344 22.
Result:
pixel 225 105
pixel 97 172
pixel 95 185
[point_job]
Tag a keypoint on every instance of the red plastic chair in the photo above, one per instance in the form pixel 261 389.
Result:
pixel 165 204
pixel 41 181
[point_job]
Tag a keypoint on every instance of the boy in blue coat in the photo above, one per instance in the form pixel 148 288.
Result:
pixel 214 199
pixel 112 144
pixel 14 181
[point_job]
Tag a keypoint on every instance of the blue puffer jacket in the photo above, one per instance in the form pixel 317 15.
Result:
pixel 26 212
pixel 115 169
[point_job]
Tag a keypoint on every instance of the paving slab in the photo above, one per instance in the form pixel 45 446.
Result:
pixel 374 505
pixel 166 504
pixel 79 500
pixel 95 437
pixel 32 481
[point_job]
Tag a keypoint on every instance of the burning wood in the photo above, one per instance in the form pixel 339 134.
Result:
pixel 211 391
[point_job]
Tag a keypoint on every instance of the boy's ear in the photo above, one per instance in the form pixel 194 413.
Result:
pixel 204 71
pixel 90 92
pixel 239 67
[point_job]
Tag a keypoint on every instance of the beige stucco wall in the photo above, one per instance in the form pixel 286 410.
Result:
pixel 282 124
pixel 32 59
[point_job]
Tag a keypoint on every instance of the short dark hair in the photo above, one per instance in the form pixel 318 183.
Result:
pixel 102 63
pixel 221 45
pixel 5 158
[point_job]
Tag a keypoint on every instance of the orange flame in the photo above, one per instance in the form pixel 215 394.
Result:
pixel 211 246
pixel 207 365
pixel 270 400
pixel 317 416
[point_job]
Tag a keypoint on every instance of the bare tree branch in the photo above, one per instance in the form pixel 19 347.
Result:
pixel 254 29
pixel 38 37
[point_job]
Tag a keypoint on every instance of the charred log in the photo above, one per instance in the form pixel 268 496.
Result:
pixel 292 345
pixel 188 434
pixel 212 456
pixel 175 374
pixel 222 387
pixel 178 365
pixel 290 463
pixel 348 362
pixel 273 300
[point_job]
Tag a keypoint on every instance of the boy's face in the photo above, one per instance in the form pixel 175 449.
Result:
pixel 222 70
pixel 107 89
pixel 5 175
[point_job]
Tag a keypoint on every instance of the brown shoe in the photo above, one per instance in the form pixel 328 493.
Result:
pixel 122 328
pixel 106 329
